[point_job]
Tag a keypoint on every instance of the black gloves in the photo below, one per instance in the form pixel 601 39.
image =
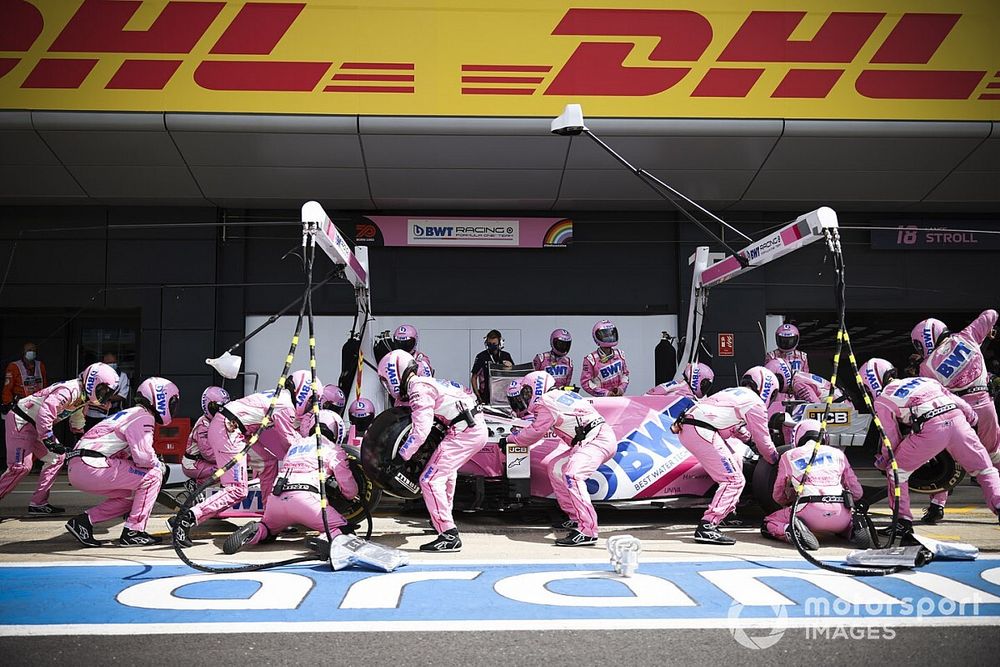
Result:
pixel 53 445
pixel 502 443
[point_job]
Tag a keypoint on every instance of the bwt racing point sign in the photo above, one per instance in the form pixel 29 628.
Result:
pixel 878 59
pixel 463 232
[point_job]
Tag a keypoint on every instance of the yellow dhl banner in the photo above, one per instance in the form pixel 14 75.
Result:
pixel 840 59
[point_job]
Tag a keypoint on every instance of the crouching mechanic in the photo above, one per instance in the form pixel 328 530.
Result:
pixel 296 498
pixel 822 506
pixel 587 442
pixel 198 463
pixel 452 403
pixel 28 428
pixel 956 361
pixel 704 429
pixel 935 420
pixel 115 459
pixel 227 437
pixel 697 383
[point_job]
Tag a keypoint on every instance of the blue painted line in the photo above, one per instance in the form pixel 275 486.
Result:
pixel 77 595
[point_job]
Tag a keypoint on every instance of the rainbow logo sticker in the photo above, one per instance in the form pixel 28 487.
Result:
pixel 559 234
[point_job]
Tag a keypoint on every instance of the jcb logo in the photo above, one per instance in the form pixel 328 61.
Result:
pixel 838 416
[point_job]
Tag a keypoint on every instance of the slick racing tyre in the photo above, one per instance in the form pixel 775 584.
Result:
pixel 762 483
pixel 369 495
pixel 941 473
pixel 380 444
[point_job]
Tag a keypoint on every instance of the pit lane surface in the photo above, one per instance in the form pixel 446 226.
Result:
pixel 514 597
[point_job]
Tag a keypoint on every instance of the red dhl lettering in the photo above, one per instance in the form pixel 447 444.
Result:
pixel 598 69
pixel 595 68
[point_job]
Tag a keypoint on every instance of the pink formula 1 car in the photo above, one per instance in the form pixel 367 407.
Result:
pixel 651 466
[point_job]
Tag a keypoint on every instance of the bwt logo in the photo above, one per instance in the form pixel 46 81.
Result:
pixel 928 339
pixel 392 377
pixel 435 232
pixel 611 370
pixel 762 248
pixel 91 381
pixel 161 399
pixel 873 382
pixel 955 360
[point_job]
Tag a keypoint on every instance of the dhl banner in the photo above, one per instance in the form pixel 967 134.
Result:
pixel 833 59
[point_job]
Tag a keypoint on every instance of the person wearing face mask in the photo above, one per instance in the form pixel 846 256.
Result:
pixel 29 430
pixel 493 354
pixel 23 377
pixel 97 413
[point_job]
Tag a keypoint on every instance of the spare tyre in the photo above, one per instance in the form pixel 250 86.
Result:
pixel 762 483
pixel 383 439
pixel 941 473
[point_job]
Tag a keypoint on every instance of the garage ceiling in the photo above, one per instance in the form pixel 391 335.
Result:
pixel 401 163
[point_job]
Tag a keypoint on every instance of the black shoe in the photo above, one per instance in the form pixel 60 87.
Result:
pixel 860 535
pixel 137 538
pixel 576 539
pixel 568 524
pixel 181 525
pixel 240 537
pixel 47 508
pixel 806 538
pixel 82 529
pixel 706 533
pixel 732 521
pixel 933 514
pixel 446 541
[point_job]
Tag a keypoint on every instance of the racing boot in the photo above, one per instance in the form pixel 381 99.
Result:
pixel 82 529
pixel 576 539
pixel 45 509
pixel 181 525
pixel 933 514
pixel 137 538
pixel 706 533
pixel 568 524
pixel 806 537
pixel 240 537
pixel 446 541
pixel 860 536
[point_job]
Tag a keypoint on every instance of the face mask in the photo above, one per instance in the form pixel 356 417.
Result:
pixel 492 347
pixel 114 367
pixel 29 355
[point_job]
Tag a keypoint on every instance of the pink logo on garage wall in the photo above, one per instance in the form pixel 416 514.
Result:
pixel 446 231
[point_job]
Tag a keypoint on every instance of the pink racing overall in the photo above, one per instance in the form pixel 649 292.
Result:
pixel 115 459
pixel 958 364
pixel 570 464
pixel 939 420
pixel 560 368
pixel 674 388
pixel 31 421
pixel 199 459
pixel 302 507
pixel 227 436
pixel 605 374
pixel 829 475
pixel 798 361
pixel 704 429
pixel 813 388
pixel 430 398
